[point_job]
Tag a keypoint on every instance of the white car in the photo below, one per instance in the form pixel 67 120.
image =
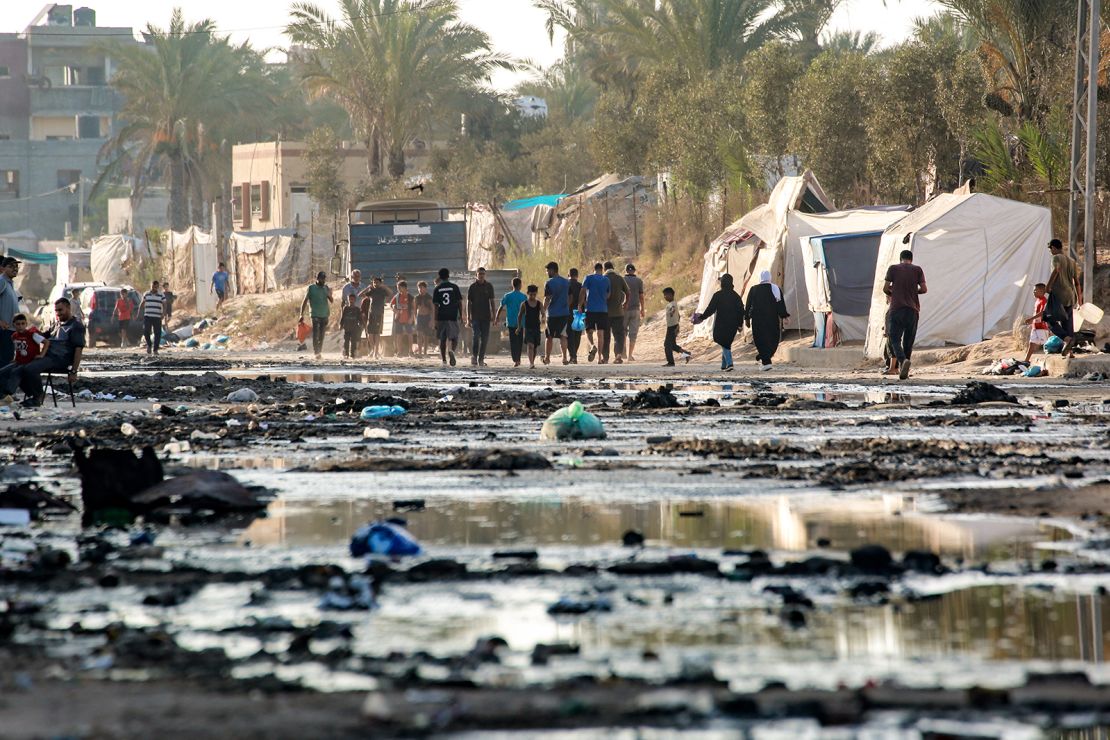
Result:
pixel 72 291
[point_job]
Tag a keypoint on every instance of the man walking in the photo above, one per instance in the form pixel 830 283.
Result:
pixel 904 283
pixel 595 302
pixel 574 336
pixel 318 298
pixel 1064 287
pixel 152 318
pixel 62 354
pixel 618 303
pixel 447 299
pixel 635 313
pixel 123 316
pixel 510 304
pixel 219 285
pixel 556 304
pixel 9 307
pixel 378 295
pixel 480 307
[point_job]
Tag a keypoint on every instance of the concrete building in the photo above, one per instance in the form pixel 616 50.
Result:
pixel 270 184
pixel 56 111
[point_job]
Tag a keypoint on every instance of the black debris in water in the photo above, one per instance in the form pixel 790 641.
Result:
pixel 658 398
pixel 979 391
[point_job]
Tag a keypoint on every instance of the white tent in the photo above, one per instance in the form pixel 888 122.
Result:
pixel 759 241
pixel 190 258
pixel 981 255
pixel 262 261
pixel 836 255
pixel 112 255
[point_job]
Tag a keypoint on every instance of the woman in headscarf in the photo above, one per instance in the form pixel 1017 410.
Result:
pixel 765 313
pixel 727 306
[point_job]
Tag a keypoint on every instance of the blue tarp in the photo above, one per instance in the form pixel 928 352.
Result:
pixel 537 200
pixel 35 258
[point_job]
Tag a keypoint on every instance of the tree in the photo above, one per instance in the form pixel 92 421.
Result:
pixel 391 63
pixel 185 92
pixel 323 161
pixel 769 78
pixel 827 123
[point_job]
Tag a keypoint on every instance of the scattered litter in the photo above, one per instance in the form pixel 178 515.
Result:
pixel 1096 377
pixel 192 343
pixel 234 423
pixel 197 434
pixel 567 605
pixel 128 398
pixel 85 394
pixel 413 504
pixel 14 517
pixel 173 447
pixel 185 389
pixel 381 412
pixel 658 398
pixel 572 422
pixel 375 433
pixel 980 392
pixel 222 339
pixel 1035 371
pixel 128 429
pixel 344 594
pixel 1006 366
pixel 382 538
pixel 632 538
pixel 32 498
pixel 1054 345
pixel 242 395
pixel 18 471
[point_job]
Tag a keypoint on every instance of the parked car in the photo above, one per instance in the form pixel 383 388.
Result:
pixel 99 305
pixel 45 315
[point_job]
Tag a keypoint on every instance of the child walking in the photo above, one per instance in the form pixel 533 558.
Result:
pixel 425 334
pixel 670 343
pixel 1038 330
pixel 528 322
pixel 351 323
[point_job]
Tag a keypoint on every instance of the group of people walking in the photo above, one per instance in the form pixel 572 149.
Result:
pixel 765 314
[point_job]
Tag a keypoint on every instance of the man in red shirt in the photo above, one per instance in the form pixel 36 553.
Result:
pixel 27 340
pixel 123 313
pixel 904 283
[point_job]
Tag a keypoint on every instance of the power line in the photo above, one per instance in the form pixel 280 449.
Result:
pixel 35 33
pixel 68 188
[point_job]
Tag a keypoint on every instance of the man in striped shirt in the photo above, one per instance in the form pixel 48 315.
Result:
pixel 153 303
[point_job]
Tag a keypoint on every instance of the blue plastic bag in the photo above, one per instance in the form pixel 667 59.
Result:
pixel 1053 345
pixel 578 323
pixel 383 538
pixel 381 412
pixel 222 339
pixel 1033 372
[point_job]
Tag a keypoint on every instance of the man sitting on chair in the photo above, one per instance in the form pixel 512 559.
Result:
pixel 61 354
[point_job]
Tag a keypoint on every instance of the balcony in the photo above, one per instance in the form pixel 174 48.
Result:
pixel 73 100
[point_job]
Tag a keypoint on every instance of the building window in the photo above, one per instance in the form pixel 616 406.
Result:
pixel 9 184
pixel 256 200
pixel 68 177
pixel 4 72
pixel 94 76
pixel 236 205
pixel 88 127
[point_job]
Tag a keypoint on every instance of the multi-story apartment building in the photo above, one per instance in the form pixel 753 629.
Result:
pixel 56 111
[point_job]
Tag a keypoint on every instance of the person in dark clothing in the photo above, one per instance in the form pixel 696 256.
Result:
pixel 574 337
pixel 447 298
pixel 764 315
pixel 528 323
pixel 480 307
pixel 904 283
pixel 61 354
pixel 351 323
pixel 728 307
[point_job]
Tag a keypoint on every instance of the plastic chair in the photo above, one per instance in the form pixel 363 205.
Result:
pixel 54 390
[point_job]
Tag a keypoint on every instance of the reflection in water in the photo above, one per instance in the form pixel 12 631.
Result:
pixel 778 523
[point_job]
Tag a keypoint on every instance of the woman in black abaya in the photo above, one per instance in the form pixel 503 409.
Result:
pixel 764 315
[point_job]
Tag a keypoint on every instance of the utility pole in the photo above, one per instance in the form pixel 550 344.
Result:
pixel 1084 123
pixel 80 210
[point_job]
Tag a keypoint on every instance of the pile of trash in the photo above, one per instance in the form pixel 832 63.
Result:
pixel 572 422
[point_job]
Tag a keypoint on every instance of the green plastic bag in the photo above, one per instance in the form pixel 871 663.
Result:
pixel 572 422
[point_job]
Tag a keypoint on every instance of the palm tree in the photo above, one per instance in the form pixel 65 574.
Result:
pixel 185 92
pixel 391 64
pixel 852 42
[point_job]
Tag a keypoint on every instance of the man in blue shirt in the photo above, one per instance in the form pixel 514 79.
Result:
pixel 62 354
pixel 9 307
pixel 219 285
pixel 556 303
pixel 595 301
pixel 510 304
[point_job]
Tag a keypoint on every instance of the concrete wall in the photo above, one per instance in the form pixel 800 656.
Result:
pixel 15 99
pixel 152 213
pixel 38 163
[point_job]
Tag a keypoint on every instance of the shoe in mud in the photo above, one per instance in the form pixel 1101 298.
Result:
pixel 593 353
pixel 765 368
pixel 482 364
pixel 546 360
pixel 473 362
pixel 618 361
pixel 904 370
pixel 728 369
pixel 451 358
pixel 566 362
pixel 686 358
pixel 30 402
pixel 668 364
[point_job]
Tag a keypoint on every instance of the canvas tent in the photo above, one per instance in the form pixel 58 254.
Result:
pixel 759 240
pixel 485 237
pixel 112 255
pixel 262 261
pixel 981 255
pixel 610 208
pixel 838 252
pixel 189 260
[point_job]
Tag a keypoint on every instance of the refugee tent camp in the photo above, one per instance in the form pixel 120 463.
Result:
pixel 530 222
pixel 981 255
pixel 838 253
pixel 262 261
pixel 609 209
pixel 189 260
pixel 112 255
pixel 759 241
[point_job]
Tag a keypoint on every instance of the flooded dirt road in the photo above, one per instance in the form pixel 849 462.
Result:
pixel 793 556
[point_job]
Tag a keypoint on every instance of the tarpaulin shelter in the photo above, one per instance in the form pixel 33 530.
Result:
pixel 609 209
pixel 37 273
pixel 838 253
pixel 189 259
pixel 262 261
pixel 981 255
pixel 485 236
pixel 113 255
pixel 759 240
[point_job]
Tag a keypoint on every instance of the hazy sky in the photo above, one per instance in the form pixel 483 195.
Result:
pixel 514 25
